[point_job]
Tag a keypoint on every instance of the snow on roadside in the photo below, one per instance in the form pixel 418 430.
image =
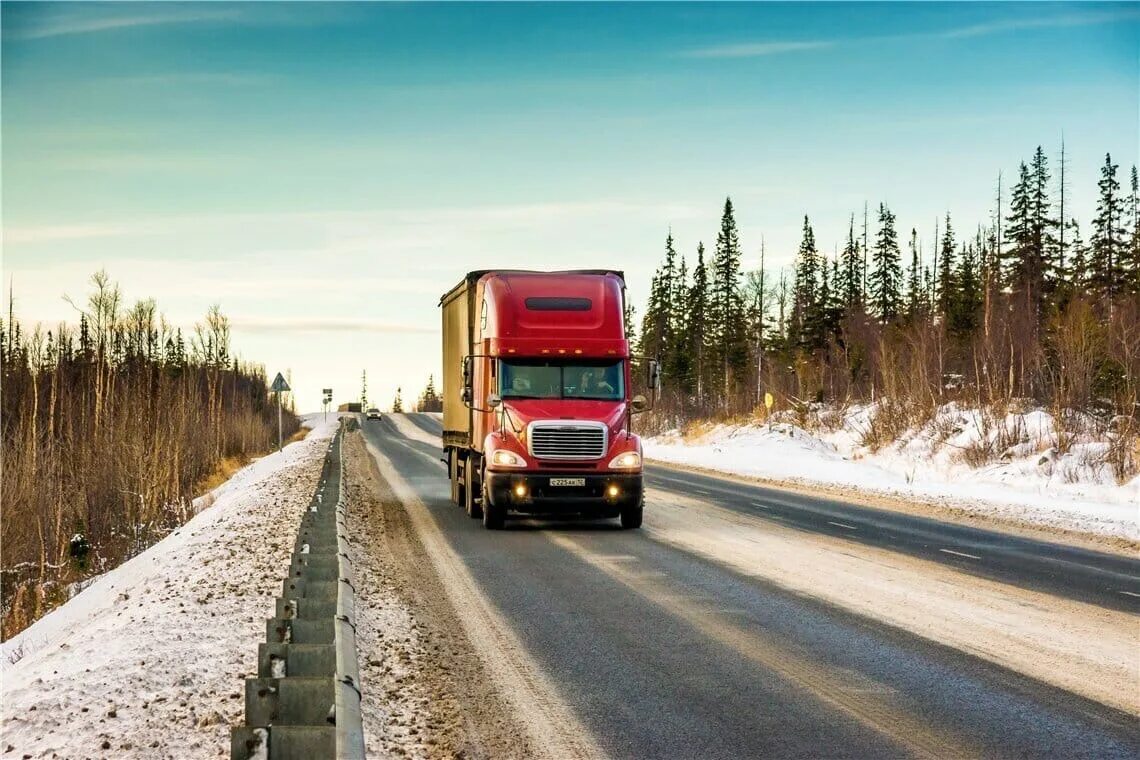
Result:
pixel 411 430
pixel 1031 482
pixel 150 659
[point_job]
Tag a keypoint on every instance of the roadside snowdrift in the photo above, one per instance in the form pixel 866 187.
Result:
pixel 1029 481
pixel 149 660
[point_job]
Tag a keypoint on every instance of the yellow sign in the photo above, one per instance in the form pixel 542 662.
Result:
pixel 768 401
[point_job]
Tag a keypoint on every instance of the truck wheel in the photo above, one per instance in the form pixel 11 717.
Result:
pixel 470 506
pixel 494 517
pixel 631 517
pixel 453 472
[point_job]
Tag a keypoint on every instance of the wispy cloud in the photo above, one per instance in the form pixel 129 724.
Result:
pixel 92 19
pixel 998 26
pixel 1041 22
pixel 757 49
pixel 211 78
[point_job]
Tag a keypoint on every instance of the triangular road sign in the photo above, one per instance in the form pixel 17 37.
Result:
pixel 279 384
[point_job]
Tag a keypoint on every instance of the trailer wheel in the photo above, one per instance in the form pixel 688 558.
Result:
pixel 453 472
pixel 470 488
pixel 631 517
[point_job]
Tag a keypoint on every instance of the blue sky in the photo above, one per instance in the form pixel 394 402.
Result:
pixel 324 172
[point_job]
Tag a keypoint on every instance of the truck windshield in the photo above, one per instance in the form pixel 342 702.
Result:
pixel 535 378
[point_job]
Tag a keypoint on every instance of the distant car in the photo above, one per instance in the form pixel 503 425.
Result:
pixel 373 413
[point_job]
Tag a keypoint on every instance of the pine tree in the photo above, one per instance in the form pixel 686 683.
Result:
pixel 698 329
pixel 726 309
pixel 670 292
pixel 429 400
pixel 1018 232
pixel 397 403
pixel 885 279
pixel 678 363
pixel 1043 262
pixel 947 288
pixel 806 310
pixel 966 301
pixel 1132 262
pixel 1106 267
pixel 630 314
pixel 653 322
pixel 914 300
pixel 1076 270
pixel 852 278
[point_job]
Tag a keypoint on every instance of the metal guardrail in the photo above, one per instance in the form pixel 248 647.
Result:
pixel 305 701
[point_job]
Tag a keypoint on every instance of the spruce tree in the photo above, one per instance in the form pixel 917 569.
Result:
pixel 1077 267
pixel 914 304
pixel 1018 232
pixel 947 288
pixel 678 364
pixel 1043 256
pixel 966 300
pixel 726 309
pixel 1106 267
pixel 698 332
pixel 1132 260
pixel 669 295
pixel 805 297
pixel 885 279
pixel 852 282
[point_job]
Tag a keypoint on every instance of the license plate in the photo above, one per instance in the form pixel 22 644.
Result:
pixel 567 481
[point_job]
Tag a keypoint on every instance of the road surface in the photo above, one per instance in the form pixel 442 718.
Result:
pixel 662 646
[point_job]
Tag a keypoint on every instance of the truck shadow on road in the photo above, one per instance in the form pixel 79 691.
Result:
pixel 565 526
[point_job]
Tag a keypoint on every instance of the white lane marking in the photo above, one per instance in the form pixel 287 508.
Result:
pixel 705 492
pixel 1131 594
pixel 842 525
pixel 960 554
pixel 762 506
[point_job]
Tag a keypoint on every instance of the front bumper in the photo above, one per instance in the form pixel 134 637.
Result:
pixel 594 497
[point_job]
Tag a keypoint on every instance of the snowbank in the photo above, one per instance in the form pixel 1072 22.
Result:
pixel 150 659
pixel 1030 481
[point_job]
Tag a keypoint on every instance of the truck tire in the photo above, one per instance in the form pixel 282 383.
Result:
pixel 631 517
pixel 453 473
pixel 494 517
pixel 470 488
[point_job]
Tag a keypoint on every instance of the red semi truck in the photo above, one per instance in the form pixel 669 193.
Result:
pixel 537 397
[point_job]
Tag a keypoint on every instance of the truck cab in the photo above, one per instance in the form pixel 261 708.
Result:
pixel 538 398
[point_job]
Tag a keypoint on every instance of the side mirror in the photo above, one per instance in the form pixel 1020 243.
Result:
pixel 493 400
pixel 638 403
pixel 654 379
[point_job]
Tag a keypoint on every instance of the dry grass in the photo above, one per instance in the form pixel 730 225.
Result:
pixel 299 435
pixel 223 472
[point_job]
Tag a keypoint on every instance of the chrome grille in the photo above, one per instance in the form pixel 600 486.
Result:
pixel 567 440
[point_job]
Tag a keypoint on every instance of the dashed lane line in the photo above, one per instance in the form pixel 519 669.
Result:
pixel 959 554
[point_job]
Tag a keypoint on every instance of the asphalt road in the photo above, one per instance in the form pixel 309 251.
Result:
pixel 664 654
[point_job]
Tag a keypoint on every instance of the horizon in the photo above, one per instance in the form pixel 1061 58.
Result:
pixel 287 162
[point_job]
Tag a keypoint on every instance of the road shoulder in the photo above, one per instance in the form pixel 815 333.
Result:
pixel 925 507
pixel 425 690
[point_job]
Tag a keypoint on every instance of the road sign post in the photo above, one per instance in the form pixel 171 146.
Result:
pixel 279 385
pixel 327 400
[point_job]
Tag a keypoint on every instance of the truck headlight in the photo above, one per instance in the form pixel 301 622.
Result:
pixel 507 458
pixel 630 460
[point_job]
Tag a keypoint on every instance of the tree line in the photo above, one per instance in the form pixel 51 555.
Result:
pixel 1020 306
pixel 108 431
